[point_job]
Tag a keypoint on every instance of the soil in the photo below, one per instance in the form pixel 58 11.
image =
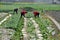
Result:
pixel 55 14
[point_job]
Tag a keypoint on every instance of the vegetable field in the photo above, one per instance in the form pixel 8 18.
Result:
pixel 27 28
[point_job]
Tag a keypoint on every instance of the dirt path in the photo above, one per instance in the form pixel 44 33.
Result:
pixel 54 21
pixel 55 14
pixel 39 35
pixel 24 30
pixel 6 34
pixel 5 19
pixel 3 15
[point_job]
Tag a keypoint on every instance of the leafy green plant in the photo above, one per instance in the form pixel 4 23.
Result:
pixel 18 33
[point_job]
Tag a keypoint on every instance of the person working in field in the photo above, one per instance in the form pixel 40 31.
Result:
pixel 36 13
pixel 16 10
pixel 23 12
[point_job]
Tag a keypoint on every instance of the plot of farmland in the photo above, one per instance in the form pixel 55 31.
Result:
pixel 29 27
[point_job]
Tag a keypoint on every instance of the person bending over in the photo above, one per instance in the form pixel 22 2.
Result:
pixel 23 12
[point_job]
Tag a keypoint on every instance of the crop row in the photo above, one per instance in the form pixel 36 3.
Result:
pixel 18 33
pixel 15 23
pixel 31 30
pixel 12 21
pixel 43 24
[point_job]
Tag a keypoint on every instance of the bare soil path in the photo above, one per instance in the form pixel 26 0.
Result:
pixel 54 21
pixel 55 14
pixel 5 19
pixel 24 31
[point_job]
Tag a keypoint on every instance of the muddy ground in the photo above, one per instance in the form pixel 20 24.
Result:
pixel 55 14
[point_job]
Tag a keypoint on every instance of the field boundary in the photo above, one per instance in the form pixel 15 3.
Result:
pixel 54 21
pixel 5 19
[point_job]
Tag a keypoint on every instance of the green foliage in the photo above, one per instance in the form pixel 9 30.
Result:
pixel 39 7
pixel 28 8
pixel 43 24
pixel 15 22
pixel 12 21
pixel 18 33
pixel 30 27
pixel 29 15
pixel 31 30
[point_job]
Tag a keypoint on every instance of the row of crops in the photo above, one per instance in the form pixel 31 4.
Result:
pixel 31 30
pixel 12 21
pixel 44 24
pixel 15 23
pixel 18 33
